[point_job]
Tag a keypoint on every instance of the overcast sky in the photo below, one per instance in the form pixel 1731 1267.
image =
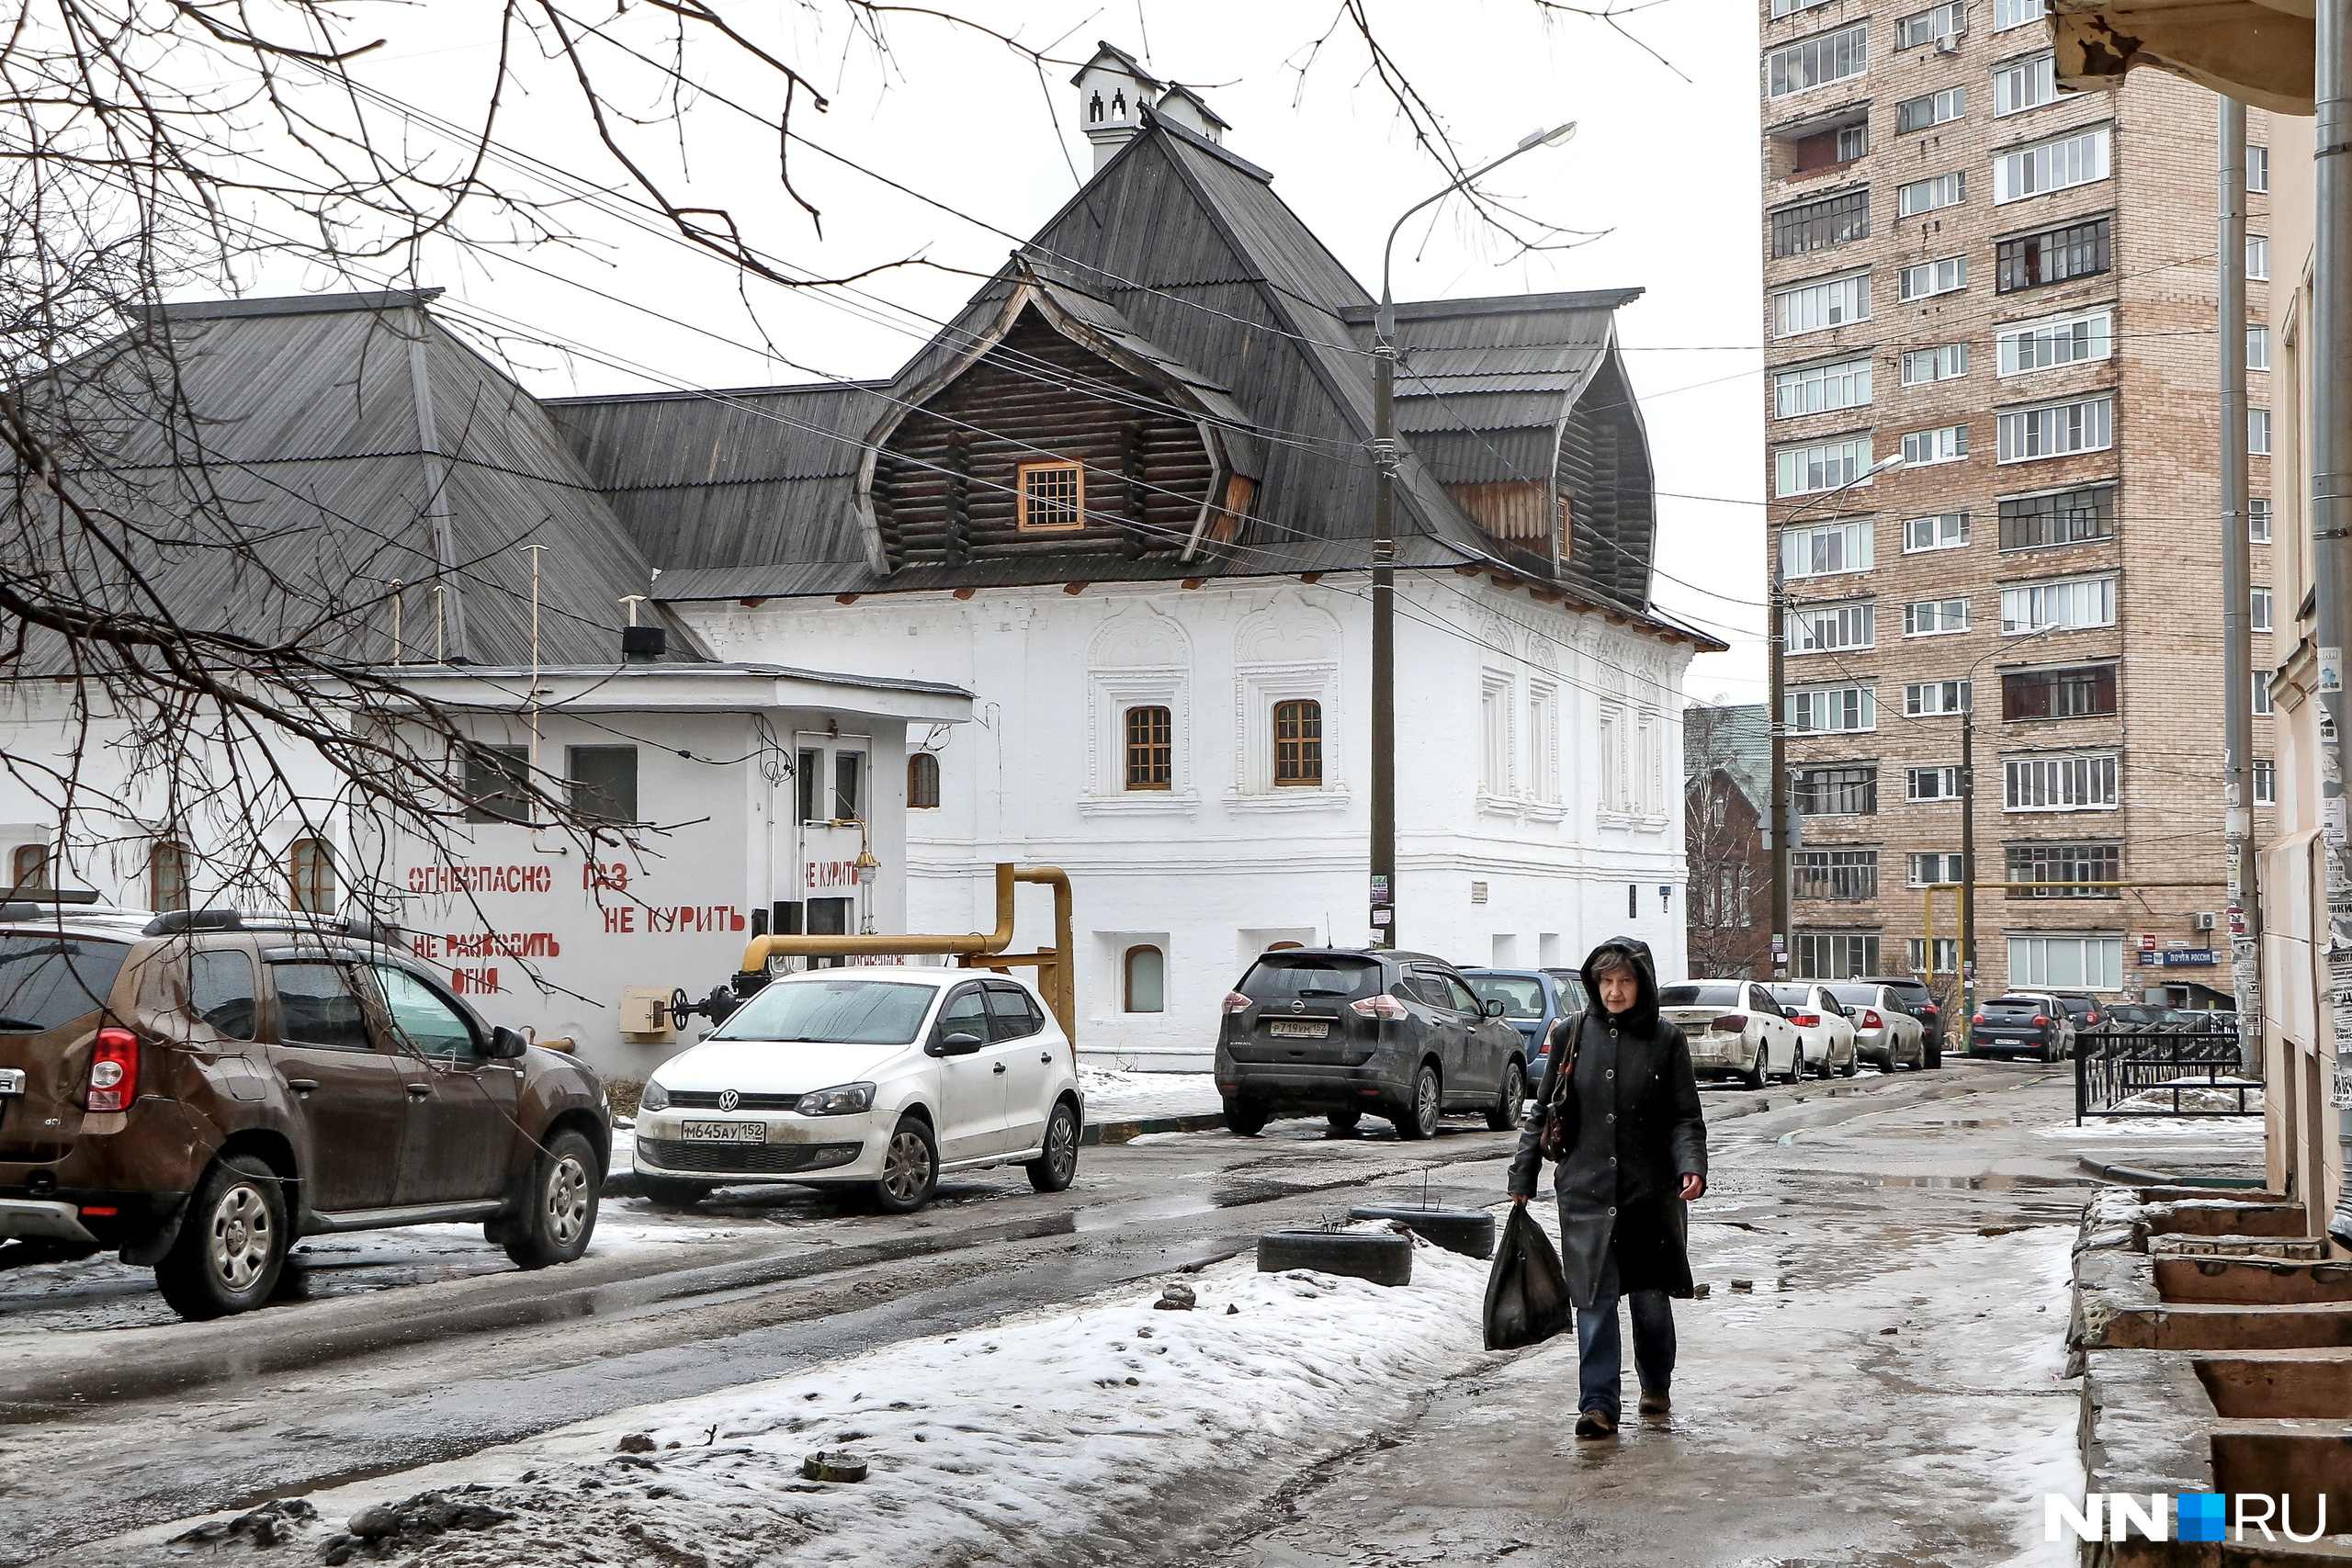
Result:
pixel 1664 170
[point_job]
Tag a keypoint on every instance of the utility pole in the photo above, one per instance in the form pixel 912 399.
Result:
pixel 1384 554
pixel 2331 471
pixel 2237 619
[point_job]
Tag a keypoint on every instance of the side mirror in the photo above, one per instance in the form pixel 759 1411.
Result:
pixel 956 1046
pixel 1493 1009
pixel 505 1046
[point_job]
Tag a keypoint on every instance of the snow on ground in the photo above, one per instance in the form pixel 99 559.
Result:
pixel 1113 1095
pixel 1054 1428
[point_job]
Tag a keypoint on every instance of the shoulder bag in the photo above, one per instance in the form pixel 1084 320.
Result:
pixel 1561 1114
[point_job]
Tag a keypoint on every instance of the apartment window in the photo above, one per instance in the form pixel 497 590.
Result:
pixel 2053 256
pixel 1817 225
pixel 1834 792
pixel 1932 783
pixel 1822 389
pixel 2265 781
pixel 2069 605
pixel 2257 169
pixel 2059 784
pixel 1929 110
pixel 1853 140
pixel 2257 520
pixel 1151 748
pixel 2096 962
pixel 1935 869
pixel 29 868
pixel 922 782
pixel 1833 710
pixel 1945 444
pixel 2261 694
pixel 1926 699
pixel 498 783
pixel 1944 531
pixel 310 874
pixel 169 866
pixel 1945 362
pixel 1931 26
pixel 1143 975
pixel 2062 340
pixel 2054 430
pixel 603 782
pixel 2258 433
pixel 1835 955
pixel 1811 306
pixel 1298 743
pixel 1053 497
pixel 1826 629
pixel 809 782
pixel 2027 84
pixel 1791 7
pixel 1935 192
pixel 2008 13
pixel 1824 465
pixel 2059 870
pixel 2257 257
pixel 2058 517
pixel 1848 876
pixel 2260 608
pixel 849 786
pixel 2060 163
pixel 2257 348
pixel 1935 617
pixel 1818 60
pixel 1947 276
pixel 1824 549
pixel 2059 693
pixel 1945 960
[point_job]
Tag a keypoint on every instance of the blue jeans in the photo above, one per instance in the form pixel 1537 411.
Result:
pixel 1600 1356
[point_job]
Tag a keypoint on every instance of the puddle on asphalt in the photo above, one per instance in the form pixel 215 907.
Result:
pixel 1995 1181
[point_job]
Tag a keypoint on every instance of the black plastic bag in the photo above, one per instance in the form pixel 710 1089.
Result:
pixel 1527 1295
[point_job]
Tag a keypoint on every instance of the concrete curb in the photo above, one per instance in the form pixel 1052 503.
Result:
pixel 2133 1176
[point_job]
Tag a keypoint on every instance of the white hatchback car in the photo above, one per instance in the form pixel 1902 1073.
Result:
pixel 880 1078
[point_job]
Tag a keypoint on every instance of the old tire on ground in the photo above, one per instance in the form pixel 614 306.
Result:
pixel 232 1245
pixel 1055 1170
pixel 1243 1119
pixel 1470 1232
pixel 1417 1119
pixel 1343 1120
pixel 1382 1256
pixel 1503 1115
pixel 558 1206
pixel 671 1193
pixel 910 1167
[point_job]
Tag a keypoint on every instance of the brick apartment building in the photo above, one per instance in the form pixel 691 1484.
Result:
pixel 2013 288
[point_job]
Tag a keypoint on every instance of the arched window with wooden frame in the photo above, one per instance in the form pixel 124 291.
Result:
pixel 168 869
pixel 1143 984
pixel 1298 744
pixel 29 867
pixel 1052 496
pixel 310 867
pixel 922 782
pixel 1151 748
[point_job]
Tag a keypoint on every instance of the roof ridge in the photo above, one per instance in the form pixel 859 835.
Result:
pixel 293 304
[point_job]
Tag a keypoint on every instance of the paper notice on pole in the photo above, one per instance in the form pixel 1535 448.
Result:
pixel 2333 820
pixel 2331 669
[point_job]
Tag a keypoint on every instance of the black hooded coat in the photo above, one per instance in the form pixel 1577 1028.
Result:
pixel 1639 1131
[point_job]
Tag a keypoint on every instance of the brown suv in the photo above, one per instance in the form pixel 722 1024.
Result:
pixel 201 1089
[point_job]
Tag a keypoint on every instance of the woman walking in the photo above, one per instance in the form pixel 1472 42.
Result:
pixel 1634 1151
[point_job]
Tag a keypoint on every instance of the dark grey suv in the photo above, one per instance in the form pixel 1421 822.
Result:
pixel 1345 1031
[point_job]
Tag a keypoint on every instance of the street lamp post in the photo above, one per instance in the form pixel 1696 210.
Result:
pixel 1776 634
pixel 1968 835
pixel 1383 555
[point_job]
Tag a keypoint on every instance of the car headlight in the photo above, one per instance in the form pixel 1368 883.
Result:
pixel 846 1100
pixel 655 1097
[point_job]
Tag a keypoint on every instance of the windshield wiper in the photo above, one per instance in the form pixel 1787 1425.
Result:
pixel 26 1025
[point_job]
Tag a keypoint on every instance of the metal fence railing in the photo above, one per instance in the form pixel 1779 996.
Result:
pixel 2164 1070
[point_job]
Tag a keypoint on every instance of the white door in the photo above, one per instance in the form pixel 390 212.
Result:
pixel 1025 1048
pixel 971 1087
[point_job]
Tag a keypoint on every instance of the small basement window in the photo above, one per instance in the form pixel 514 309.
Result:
pixel 1053 497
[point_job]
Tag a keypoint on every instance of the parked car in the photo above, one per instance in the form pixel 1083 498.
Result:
pixel 1885 1033
pixel 1344 1031
pixel 1533 1000
pixel 2148 1015
pixel 2022 1023
pixel 877 1080
pixel 199 1090
pixel 1736 1029
pixel 1824 1028
pixel 1909 993
pixel 2083 1010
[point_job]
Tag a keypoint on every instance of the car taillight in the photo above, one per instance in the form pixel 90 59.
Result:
pixel 1980 1018
pixel 1929 1010
pixel 1870 1019
pixel 1806 1020
pixel 1382 1006
pixel 1730 1024
pixel 2092 1017
pixel 1235 1002
pixel 2039 1019
pixel 114 1071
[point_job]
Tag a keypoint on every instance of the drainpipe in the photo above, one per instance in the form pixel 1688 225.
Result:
pixel 2237 617
pixel 2331 471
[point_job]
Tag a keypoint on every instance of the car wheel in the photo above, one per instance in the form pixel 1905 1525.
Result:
pixel 1418 1118
pixel 1244 1119
pixel 1796 1064
pixel 909 1169
pixel 1343 1120
pixel 1058 1166
pixel 232 1244
pixel 1754 1077
pixel 559 1205
pixel 1503 1115
pixel 1853 1063
pixel 667 1192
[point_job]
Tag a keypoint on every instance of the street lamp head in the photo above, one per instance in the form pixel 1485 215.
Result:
pixel 1559 136
pixel 1888 464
